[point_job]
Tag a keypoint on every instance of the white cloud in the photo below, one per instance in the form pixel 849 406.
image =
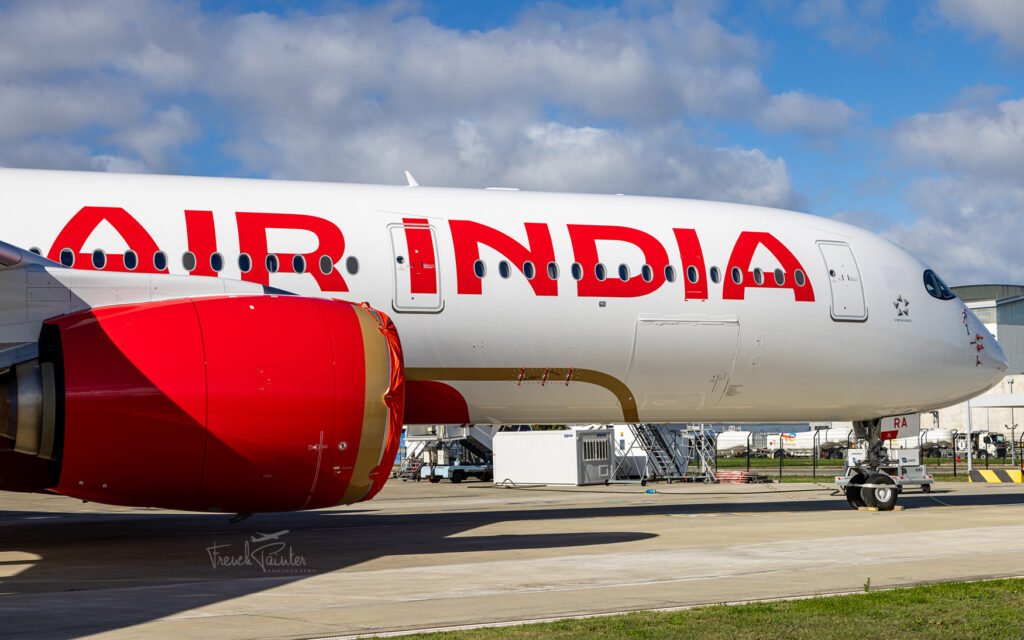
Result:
pixel 968 229
pixel 854 26
pixel 798 111
pixel 53 153
pixel 969 221
pixel 986 142
pixel 29 108
pixel 562 99
pixel 865 218
pixel 1002 18
pixel 155 139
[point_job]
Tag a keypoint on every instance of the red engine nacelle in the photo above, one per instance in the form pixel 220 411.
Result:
pixel 226 404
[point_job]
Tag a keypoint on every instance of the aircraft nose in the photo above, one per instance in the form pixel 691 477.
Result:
pixel 992 354
pixel 989 358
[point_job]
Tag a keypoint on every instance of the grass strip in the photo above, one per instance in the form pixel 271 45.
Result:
pixel 990 609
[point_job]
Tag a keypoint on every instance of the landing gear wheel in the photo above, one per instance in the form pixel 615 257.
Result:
pixel 883 497
pixel 853 491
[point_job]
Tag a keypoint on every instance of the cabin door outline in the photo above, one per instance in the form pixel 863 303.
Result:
pixel 845 282
pixel 417 273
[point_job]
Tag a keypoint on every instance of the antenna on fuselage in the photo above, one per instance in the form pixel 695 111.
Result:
pixel 411 180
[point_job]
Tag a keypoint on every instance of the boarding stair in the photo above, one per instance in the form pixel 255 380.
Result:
pixel 666 459
pixel 703 452
pixel 673 452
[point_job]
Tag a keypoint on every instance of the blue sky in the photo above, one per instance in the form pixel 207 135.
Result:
pixel 903 117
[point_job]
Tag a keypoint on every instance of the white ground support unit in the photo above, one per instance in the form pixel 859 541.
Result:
pixel 904 467
pixel 571 457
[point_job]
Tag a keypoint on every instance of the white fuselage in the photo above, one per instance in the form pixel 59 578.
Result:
pixel 869 341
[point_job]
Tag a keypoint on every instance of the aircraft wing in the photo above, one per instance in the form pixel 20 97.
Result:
pixel 13 257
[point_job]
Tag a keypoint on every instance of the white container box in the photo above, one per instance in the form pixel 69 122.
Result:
pixel 572 457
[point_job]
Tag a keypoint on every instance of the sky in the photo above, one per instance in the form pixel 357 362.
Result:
pixel 906 118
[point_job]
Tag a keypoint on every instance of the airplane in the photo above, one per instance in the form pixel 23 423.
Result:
pixel 244 346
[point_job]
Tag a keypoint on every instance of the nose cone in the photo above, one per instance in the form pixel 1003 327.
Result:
pixel 992 355
pixel 990 362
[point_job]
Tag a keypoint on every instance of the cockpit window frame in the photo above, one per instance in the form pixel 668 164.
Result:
pixel 935 286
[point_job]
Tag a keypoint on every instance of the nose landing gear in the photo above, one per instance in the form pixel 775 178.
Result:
pixel 880 491
pixel 866 483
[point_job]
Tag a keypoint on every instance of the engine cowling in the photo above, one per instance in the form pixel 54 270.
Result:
pixel 242 404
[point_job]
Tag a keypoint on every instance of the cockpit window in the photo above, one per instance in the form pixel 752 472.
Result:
pixel 936 287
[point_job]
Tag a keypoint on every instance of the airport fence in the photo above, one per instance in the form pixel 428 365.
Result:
pixel 827 463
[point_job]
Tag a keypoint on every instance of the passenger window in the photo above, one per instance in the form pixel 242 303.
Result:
pixel 298 264
pixel 36 250
pixel 244 263
pixel 272 263
pixel 99 259
pixel 67 257
pixel 504 270
pixel 716 275
pixel 553 270
pixel 758 277
pixel 479 268
pixel 131 260
pixel 529 270
pixel 780 277
pixel 691 274
pixel 737 275
pixel 160 261
pixel 577 271
pixel 216 262
pixel 670 273
pixel 600 272
pixel 326 265
pixel 623 272
pixel 352 265
pixel 188 260
pixel 798 278
pixel 647 273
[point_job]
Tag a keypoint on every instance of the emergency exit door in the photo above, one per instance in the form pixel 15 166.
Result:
pixel 414 259
pixel 848 303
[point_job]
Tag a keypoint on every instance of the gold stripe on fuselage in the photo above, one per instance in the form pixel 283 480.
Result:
pixel 630 413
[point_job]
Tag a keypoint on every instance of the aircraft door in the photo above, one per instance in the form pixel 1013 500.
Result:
pixel 417 277
pixel 681 363
pixel 844 279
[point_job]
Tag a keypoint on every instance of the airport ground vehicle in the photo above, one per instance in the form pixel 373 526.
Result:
pixel 827 443
pixel 937 443
pixel 903 468
pixel 456 473
pixel 984 444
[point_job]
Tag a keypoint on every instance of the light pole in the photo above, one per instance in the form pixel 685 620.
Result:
pixel 1013 427
pixel 970 447
pixel 1013 444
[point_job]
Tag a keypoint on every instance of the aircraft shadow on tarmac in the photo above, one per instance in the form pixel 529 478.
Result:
pixel 85 571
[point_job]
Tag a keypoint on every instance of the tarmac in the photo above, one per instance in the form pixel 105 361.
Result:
pixel 426 556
